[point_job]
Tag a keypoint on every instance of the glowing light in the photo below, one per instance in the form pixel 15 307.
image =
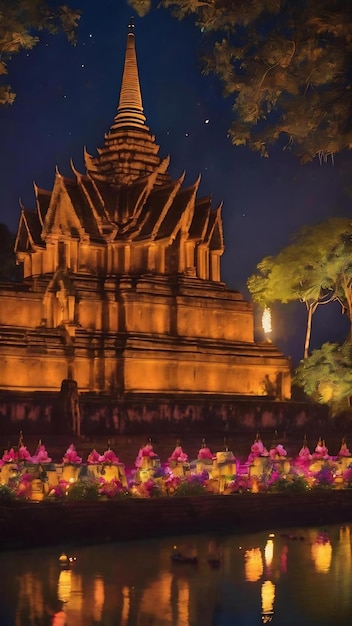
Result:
pixel 269 552
pixel 268 597
pixel 266 321
pixel 64 585
pixel 99 598
pixel 126 602
pixel 321 554
pixel 253 565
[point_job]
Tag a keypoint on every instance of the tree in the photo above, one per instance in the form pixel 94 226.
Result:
pixel 339 269
pixel 20 24
pixel 326 376
pixel 285 64
pixel 313 269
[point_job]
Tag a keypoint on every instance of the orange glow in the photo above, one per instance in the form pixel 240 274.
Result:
pixel 253 565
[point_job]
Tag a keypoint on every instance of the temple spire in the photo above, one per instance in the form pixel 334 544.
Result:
pixel 130 109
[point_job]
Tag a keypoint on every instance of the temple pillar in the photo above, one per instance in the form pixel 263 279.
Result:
pixel 152 257
pixel 182 255
pixel 214 266
pixel 203 261
pixel 160 259
pixel 189 245
pixel 127 259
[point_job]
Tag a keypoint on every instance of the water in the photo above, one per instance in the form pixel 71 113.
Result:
pixel 298 577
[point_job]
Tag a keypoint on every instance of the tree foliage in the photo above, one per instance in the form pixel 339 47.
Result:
pixel 326 376
pixel 285 64
pixel 316 268
pixel 21 22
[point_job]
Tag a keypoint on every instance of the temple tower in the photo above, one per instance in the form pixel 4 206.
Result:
pixel 122 282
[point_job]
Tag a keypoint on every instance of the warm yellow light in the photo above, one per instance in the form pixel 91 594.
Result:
pixel 268 597
pixel 64 585
pixel 125 605
pixel 269 552
pixel 266 321
pixel 99 598
pixel 253 565
pixel 321 553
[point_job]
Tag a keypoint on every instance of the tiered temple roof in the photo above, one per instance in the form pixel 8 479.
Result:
pixel 126 195
pixel 123 289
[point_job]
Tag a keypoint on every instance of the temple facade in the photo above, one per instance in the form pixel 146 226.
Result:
pixel 122 287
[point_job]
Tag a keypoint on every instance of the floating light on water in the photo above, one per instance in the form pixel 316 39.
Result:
pixel 268 597
pixel 321 553
pixel 253 565
pixel 269 552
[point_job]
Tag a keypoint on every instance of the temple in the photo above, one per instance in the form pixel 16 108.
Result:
pixel 122 287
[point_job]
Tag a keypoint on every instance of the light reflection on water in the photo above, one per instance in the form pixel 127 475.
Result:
pixel 301 576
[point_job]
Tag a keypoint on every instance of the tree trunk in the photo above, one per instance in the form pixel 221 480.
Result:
pixel 310 309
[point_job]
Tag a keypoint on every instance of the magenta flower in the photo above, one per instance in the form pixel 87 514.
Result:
pixel 41 455
pixel 71 456
pixel 110 489
pixel 108 457
pixel 344 451
pixel 145 452
pixel 10 456
pixel 93 457
pixel 321 451
pixel 23 455
pixel 178 455
pixel 278 451
pixel 205 453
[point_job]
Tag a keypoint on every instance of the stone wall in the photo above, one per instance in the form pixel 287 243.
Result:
pixel 26 524
pixel 46 413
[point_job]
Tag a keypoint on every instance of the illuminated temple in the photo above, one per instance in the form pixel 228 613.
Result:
pixel 122 287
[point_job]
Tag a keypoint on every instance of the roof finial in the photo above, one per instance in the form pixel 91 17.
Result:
pixel 131 24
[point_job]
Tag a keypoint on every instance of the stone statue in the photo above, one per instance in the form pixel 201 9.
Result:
pixel 70 405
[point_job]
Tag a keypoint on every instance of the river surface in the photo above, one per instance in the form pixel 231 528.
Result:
pixel 296 577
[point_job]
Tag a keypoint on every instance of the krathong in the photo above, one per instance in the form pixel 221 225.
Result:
pixel 104 476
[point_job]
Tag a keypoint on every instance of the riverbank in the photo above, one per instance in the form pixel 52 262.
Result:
pixel 34 524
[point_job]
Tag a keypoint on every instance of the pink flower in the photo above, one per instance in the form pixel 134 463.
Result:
pixel 304 454
pixel 93 457
pixel 205 453
pixel 344 451
pixel 321 451
pixel 71 455
pixel 145 452
pixel 110 489
pixel 303 459
pixel 108 457
pixel 148 451
pixel 178 455
pixel 23 454
pixel 279 451
pixel 41 455
pixel 257 449
pixel 10 456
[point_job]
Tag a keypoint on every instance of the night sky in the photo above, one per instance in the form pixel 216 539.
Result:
pixel 67 98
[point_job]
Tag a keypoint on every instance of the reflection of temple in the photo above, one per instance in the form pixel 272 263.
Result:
pixel 122 289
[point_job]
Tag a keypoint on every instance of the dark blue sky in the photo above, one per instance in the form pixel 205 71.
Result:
pixel 67 98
